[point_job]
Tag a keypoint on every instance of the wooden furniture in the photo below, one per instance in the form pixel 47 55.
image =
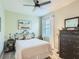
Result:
pixel 69 44
pixel 9 45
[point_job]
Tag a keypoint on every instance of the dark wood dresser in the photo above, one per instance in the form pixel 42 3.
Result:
pixel 69 44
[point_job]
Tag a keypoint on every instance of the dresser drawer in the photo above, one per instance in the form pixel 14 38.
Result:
pixel 76 41
pixel 76 56
pixel 76 46
pixel 76 50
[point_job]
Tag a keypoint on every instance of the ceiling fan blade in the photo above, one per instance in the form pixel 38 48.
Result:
pixel 29 5
pixel 45 3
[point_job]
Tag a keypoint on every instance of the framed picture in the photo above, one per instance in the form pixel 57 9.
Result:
pixel 72 22
pixel 24 24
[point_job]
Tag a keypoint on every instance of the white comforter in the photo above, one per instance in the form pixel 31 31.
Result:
pixel 23 46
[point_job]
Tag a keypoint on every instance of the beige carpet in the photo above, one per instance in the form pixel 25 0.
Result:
pixel 10 55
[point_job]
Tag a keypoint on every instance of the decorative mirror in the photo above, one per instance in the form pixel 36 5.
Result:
pixel 72 22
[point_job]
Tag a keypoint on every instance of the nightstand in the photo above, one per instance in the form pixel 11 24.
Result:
pixel 9 45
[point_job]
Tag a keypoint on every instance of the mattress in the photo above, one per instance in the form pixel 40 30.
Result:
pixel 32 49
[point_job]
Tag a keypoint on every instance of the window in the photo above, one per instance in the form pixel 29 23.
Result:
pixel 46 26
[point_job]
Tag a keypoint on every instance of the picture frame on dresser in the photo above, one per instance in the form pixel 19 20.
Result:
pixel 71 23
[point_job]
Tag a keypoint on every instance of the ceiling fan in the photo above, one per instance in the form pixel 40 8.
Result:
pixel 37 4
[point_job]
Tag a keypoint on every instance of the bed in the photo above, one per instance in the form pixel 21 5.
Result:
pixel 32 49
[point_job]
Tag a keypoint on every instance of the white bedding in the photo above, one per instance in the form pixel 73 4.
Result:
pixel 29 43
pixel 25 44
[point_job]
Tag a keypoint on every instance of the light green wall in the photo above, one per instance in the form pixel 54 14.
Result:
pixel 11 23
pixel 69 11
pixel 0 0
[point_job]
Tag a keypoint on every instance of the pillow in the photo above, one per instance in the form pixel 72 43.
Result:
pixel 28 37
pixel 21 37
pixel 25 36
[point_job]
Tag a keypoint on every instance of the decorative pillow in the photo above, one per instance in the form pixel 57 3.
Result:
pixel 28 37
pixel 20 37
pixel 25 36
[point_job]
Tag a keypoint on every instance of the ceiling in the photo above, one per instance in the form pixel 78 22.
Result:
pixel 17 6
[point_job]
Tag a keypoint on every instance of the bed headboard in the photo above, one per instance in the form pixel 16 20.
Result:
pixel 25 34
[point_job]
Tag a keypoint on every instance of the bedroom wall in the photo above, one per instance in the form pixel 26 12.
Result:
pixel 71 10
pixel 2 27
pixel 11 22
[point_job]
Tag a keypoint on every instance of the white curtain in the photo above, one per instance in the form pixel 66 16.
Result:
pixel 47 27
